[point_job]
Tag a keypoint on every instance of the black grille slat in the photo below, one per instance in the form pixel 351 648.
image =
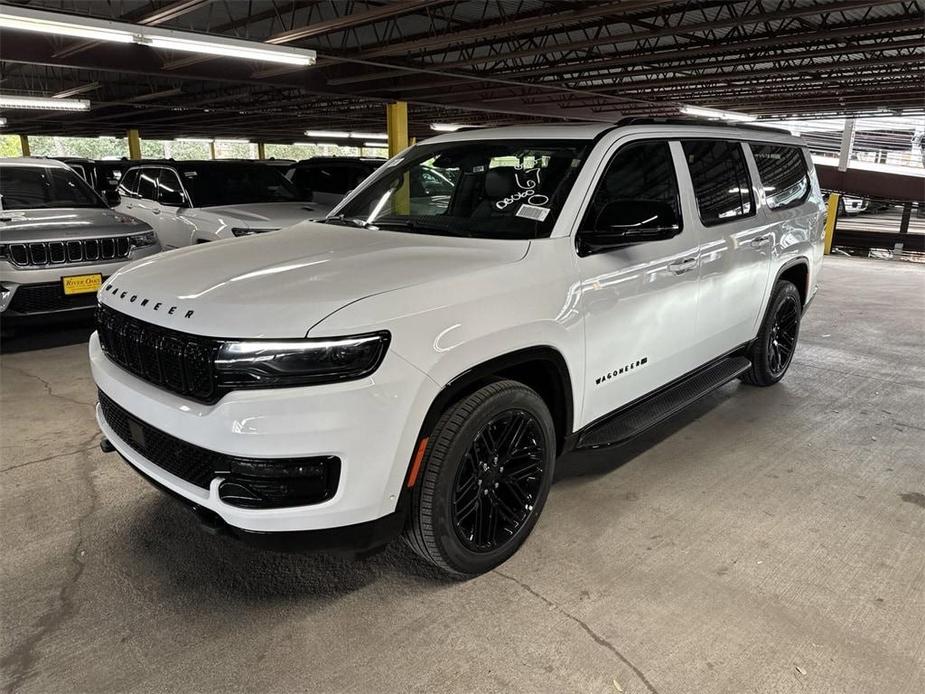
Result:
pixel 56 252
pixel 78 251
pixel 48 296
pixel 169 359
pixel 38 254
pixel 184 460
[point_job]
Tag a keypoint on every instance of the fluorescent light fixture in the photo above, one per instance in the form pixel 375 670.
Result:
pixel 204 140
pixel 380 145
pixel 716 113
pixel 446 127
pixel 233 141
pixel 43 103
pixel 335 134
pixel 368 136
pixel 304 144
pixel 229 48
pixel 23 19
pixel 2 122
pixel 56 23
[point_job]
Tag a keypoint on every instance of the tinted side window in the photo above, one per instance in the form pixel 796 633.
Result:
pixel 783 174
pixel 129 182
pixel 147 184
pixel 333 179
pixel 720 178
pixel 640 171
pixel 168 186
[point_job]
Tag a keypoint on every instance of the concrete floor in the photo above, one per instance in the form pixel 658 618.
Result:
pixel 767 540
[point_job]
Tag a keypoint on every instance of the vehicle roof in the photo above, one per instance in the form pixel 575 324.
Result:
pixel 588 131
pixel 352 160
pixel 34 161
pixel 181 164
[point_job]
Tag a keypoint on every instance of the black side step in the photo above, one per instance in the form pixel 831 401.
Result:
pixel 636 418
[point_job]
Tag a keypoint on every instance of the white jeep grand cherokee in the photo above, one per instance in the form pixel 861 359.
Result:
pixel 415 364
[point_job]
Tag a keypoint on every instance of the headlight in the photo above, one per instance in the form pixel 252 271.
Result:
pixel 237 231
pixel 147 238
pixel 269 363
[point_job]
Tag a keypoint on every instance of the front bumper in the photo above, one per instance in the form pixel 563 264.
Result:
pixel 46 290
pixel 370 425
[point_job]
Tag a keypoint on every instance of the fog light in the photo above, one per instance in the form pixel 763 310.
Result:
pixel 277 484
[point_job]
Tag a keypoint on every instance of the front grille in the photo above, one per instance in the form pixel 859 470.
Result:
pixel 49 296
pixel 43 253
pixel 191 463
pixel 249 483
pixel 172 360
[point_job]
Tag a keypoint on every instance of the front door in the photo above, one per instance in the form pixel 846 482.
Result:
pixel 639 302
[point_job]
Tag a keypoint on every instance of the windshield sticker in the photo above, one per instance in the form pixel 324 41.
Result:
pixel 537 214
pixel 527 181
pixel 478 169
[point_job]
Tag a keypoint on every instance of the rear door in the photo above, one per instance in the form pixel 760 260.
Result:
pixel 735 254
pixel 135 183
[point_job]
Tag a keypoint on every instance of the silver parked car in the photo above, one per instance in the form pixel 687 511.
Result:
pixel 59 240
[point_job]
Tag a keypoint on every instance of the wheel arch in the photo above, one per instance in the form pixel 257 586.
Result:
pixel 796 271
pixel 541 368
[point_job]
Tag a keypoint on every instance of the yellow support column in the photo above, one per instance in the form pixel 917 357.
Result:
pixel 24 145
pixel 212 149
pixel 831 215
pixel 261 150
pixel 134 144
pixel 396 117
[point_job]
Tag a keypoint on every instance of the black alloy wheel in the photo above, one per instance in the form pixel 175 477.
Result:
pixel 782 338
pixel 772 349
pixel 487 469
pixel 499 481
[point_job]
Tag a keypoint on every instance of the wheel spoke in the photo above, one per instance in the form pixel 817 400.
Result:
pixel 498 480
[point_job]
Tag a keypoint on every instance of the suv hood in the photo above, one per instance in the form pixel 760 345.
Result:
pixel 65 223
pixel 269 215
pixel 280 285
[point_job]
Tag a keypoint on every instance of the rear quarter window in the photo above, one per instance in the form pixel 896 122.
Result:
pixel 783 174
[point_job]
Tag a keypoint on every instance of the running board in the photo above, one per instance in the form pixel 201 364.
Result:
pixel 634 419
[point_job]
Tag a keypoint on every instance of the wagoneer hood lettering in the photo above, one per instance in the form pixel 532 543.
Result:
pixel 301 277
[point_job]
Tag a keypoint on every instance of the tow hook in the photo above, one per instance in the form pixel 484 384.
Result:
pixel 106 446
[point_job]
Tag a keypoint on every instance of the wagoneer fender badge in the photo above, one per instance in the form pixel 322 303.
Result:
pixel 144 302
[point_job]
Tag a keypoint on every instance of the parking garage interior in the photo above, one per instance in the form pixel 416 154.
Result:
pixel 762 539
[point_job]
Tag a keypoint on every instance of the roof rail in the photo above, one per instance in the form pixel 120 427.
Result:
pixel 648 120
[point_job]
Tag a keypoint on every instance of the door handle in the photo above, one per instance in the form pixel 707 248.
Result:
pixel 760 241
pixel 682 266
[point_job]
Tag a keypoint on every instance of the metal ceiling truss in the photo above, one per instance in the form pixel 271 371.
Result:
pixel 471 61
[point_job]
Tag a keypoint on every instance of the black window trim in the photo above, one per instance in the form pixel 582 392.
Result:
pixel 606 167
pixel 809 183
pixel 751 183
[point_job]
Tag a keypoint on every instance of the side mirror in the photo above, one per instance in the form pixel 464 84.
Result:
pixel 171 198
pixel 627 222
pixel 111 197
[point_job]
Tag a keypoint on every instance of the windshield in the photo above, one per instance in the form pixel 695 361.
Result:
pixel 504 189
pixel 237 184
pixel 44 187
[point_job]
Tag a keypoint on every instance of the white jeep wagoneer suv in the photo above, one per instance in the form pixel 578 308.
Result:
pixel 416 366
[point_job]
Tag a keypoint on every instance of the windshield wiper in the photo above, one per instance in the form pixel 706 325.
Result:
pixel 346 221
pixel 422 228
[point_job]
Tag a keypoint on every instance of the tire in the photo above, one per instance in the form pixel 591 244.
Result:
pixel 450 529
pixel 772 350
